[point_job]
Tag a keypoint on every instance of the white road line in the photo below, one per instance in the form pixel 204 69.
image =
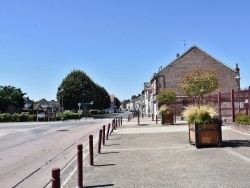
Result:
pixel 136 149
pixel 75 169
pixel 4 132
pixel 237 155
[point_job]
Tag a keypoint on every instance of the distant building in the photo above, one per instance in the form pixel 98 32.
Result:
pixel 40 106
pixel 31 106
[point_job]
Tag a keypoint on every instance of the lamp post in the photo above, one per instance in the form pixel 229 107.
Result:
pixel 237 78
pixel 62 91
pixel 79 105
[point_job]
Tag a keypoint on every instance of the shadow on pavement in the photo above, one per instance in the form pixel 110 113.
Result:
pixel 106 185
pixel 104 165
pixel 114 138
pixel 112 145
pixel 109 152
pixel 236 143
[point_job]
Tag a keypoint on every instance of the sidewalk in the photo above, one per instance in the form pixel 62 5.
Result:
pixel 154 155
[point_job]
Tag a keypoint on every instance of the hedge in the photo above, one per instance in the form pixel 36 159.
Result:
pixel 23 117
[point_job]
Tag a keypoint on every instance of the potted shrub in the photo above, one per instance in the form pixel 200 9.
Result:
pixel 166 115
pixel 204 125
pixel 164 96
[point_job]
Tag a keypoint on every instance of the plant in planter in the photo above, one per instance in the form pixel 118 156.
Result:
pixel 204 124
pixel 165 96
pixel 166 115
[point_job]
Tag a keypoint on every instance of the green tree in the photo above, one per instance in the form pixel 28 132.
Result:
pixel 77 87
pixel 200 82
pixel 10 95
pixel 166 95
pixel 117 103
pixel 102 100
pixel 125 102
pixel 133 97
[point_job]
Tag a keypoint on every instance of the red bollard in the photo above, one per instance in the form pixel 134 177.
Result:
pixel 79 165
pixel 114 124
pixel 100 141
pixel 103 135
pixel 56 182
pixel 156 119
pixel 91 151
pixel 107 137
pixel 112 127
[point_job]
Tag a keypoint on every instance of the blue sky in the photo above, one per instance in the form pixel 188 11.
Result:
pixel 118 43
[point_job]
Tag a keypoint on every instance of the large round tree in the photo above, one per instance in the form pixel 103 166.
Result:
pixel 77 87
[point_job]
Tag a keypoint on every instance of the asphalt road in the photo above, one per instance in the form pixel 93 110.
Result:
pixel 29 151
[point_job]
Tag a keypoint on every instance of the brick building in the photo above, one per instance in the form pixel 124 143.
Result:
pixel 172 75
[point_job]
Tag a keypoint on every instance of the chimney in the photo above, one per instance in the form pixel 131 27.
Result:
pixel 237 69
pixel 177 55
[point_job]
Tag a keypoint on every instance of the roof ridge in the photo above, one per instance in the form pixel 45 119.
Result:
pixel 194 46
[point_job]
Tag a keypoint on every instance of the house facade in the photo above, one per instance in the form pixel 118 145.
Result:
pixel 172 75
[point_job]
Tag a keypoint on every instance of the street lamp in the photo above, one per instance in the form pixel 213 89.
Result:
pixel 237 78
pixel 61 92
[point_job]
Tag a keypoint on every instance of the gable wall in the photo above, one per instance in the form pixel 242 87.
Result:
pixel 175 72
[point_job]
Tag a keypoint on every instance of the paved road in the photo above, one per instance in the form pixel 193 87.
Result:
pixel 29 151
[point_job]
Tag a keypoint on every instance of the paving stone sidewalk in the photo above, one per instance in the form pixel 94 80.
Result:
pixel 161 156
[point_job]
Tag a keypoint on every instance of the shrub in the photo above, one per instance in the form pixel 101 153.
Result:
pixel 94 112
pixel 200 114
pixel 243 119
pixel 164 110
pixel 15 117
pixel 32 117
pixel 67 115
pixel 6 117
pixel 166 95
pixel 23 117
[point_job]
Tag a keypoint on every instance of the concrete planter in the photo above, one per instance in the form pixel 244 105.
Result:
pixel 240 127
pixel 205 134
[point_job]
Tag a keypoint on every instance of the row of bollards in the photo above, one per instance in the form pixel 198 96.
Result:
pixel 56 180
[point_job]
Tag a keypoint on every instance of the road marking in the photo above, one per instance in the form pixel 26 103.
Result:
pixel 237 155
pixel 4 132
pixel 75 169
pixel 132 149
